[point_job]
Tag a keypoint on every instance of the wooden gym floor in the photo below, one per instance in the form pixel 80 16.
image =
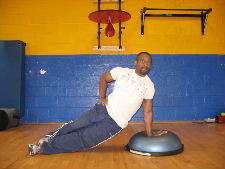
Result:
pixel 204 149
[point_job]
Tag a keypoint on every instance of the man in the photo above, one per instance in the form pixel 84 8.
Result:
pixel 132 88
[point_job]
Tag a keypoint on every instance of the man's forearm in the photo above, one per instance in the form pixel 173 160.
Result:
pixel 148 122
pixel 103 85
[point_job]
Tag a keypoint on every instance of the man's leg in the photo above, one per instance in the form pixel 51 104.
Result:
pixel 82 139
pixel 91 116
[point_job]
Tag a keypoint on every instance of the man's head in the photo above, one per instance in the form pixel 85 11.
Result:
pixel 143 63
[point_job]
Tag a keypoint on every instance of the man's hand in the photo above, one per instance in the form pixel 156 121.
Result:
pixel 104 101
pixel 158 133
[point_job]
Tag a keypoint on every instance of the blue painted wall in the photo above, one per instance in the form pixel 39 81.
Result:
pixel 188 87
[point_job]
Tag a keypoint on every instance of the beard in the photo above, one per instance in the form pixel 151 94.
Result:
pixel 144 71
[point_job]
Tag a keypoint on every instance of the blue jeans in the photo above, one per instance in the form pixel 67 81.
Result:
pixel 89 130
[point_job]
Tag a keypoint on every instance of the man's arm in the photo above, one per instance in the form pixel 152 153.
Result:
pixel 148 118
pixel 103 85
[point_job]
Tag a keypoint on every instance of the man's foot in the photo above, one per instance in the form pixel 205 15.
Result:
pixel 33 149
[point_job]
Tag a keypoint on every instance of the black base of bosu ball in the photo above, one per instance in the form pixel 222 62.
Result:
pixel 9 117
pixel 164 145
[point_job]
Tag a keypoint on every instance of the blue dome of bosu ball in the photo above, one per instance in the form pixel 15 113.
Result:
pixel 167 144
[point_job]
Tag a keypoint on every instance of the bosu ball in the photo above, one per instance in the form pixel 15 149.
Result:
pixel 166 144
pixel 9 117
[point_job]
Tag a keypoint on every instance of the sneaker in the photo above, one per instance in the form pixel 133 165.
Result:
pixel 33 149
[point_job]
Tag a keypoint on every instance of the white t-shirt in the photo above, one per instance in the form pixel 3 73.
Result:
pixel 129 91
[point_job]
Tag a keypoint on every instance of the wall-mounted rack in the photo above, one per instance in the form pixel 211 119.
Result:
pixel 109 17
pixel 203 15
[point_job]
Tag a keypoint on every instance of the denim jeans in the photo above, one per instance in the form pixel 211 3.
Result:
pixel 89 130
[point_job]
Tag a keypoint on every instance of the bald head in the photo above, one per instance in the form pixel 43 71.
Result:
pixel 139 55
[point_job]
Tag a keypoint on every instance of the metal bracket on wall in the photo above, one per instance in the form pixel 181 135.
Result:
pixel 203 15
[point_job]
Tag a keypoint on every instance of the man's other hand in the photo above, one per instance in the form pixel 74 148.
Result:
pixel 104 101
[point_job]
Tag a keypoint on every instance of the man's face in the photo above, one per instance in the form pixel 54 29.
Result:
pixel 143 64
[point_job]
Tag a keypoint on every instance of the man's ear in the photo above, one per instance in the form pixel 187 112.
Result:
pixel 135 62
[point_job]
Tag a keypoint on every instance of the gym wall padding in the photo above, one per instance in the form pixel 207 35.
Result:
pixel 12 75
pixel 188 67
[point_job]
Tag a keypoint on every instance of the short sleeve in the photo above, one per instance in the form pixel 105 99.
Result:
pixel 150 92
pixel 117 72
